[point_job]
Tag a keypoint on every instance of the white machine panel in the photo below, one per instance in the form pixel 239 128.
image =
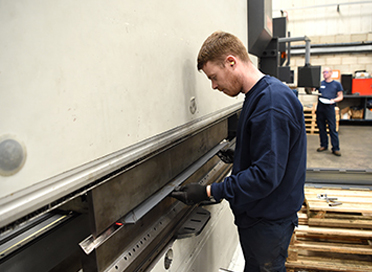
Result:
pixel 213 249
pixel 80 80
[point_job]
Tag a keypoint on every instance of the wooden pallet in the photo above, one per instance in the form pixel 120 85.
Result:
pixel 310 119
pixel 355 211
pixel 337 238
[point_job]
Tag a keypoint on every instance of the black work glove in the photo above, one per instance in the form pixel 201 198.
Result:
pixel 190 194
pixel 227 156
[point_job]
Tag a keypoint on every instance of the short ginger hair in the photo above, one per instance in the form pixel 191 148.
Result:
pixel 218 46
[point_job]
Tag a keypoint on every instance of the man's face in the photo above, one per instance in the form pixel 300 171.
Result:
pixel 327 74
pixel 223 79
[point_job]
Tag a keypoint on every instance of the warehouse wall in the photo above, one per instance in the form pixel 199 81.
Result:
pixel 328 23
pixel 347 63
pixel 321 18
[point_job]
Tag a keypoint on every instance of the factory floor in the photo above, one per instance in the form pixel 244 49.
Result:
pixel 356 153
pixel 355 147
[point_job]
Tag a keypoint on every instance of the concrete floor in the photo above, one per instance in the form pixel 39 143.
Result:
pixel 355 147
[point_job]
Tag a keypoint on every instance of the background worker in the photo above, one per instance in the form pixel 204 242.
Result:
pixel 265 189
pixel 331 92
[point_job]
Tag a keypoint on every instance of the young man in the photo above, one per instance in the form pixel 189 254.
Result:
pixel 331 91
pixel 265 189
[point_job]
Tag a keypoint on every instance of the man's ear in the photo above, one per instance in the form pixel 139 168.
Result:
pixel 231 60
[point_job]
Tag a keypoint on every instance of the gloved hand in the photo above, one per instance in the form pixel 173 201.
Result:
pixel 227 156
pixel 190 194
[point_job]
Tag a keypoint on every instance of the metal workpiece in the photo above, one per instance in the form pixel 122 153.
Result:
pixel 332 201
pixel 148 204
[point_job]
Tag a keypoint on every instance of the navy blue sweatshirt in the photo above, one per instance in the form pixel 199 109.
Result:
pixel 269 167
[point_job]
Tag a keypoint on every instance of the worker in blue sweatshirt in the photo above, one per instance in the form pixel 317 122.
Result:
pixel 266 187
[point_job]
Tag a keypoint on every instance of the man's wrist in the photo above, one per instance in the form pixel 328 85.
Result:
pixel 208 188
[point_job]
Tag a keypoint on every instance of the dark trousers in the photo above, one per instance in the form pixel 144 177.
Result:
pixel 265 245
pixel 325 114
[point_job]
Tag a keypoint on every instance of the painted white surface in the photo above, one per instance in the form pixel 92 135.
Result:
pixel 213 249
pixel 82 79
pixel 237 262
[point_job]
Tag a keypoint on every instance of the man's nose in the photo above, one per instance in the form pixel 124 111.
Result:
pixel 214 85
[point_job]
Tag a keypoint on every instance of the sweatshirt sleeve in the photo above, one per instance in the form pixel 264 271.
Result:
pixel 268 136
